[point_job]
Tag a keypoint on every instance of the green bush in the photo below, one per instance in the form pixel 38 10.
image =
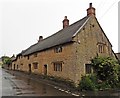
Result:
pixel 87 83
pixel 107 69
pixel 118 85
pixel 103 86
pixel 106 75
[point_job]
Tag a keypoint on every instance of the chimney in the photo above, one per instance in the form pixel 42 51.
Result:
pixel 65 22
pixel 91 10
pixel 40 38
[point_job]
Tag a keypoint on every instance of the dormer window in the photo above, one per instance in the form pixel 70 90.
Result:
pixel 58 49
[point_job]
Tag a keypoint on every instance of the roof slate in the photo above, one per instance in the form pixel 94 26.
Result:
pixel 63 36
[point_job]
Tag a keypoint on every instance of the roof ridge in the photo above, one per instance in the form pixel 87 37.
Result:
pixel 63 29
pixel 62 36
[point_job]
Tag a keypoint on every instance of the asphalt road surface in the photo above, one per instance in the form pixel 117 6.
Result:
pixel 18 86
pixel 12 84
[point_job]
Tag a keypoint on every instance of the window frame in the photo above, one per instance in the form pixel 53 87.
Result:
pixel 88 69
pixel 101 47
pixel 58 66
pixel 35 65
pixel 28 57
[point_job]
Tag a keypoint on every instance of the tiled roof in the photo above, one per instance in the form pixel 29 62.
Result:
pixel 63 36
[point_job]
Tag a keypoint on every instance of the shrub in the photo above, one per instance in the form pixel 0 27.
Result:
pixel 107 70
pixel 103 86
pixel 87 83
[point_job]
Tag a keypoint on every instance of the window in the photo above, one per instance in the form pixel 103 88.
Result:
pixel 101 48
pixel 88 68
pixel 35 55
pixel 35 65
pixel 21 56
pixel 17 66
pixel 57 66
pixel 18 57
pixel 58 49
pixel 28 57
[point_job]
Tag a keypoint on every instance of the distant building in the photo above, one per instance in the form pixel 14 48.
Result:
pixel 68 52
pixel 118 55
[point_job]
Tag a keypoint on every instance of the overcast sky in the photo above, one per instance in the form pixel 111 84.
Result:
pixel 23 21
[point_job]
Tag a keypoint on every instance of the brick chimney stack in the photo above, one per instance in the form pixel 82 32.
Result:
pixel 91 10
pixel 65 22
pixel 40 38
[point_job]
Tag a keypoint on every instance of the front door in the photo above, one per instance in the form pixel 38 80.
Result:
pixel 45 69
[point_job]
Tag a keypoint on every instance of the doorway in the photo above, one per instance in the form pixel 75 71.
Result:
pixel 17 67
pixel 14 67
pixel 45 69
pixel 29 68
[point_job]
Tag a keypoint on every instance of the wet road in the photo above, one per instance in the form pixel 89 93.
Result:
pixel 20 86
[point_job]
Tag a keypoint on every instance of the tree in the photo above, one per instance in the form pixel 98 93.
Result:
pixel 6 61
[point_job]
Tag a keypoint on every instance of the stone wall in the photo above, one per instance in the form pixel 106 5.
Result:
pixel 87 46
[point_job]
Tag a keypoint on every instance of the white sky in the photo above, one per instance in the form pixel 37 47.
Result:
pixel 23 21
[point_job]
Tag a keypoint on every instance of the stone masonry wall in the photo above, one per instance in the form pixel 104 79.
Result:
pixel 89 37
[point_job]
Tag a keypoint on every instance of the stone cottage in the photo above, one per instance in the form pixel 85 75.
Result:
pixel 67 53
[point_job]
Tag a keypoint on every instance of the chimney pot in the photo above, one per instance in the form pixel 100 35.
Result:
pixel 91 10
pixel 90 5
pixel 65 17
pixel 40 38
pixel 65 22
